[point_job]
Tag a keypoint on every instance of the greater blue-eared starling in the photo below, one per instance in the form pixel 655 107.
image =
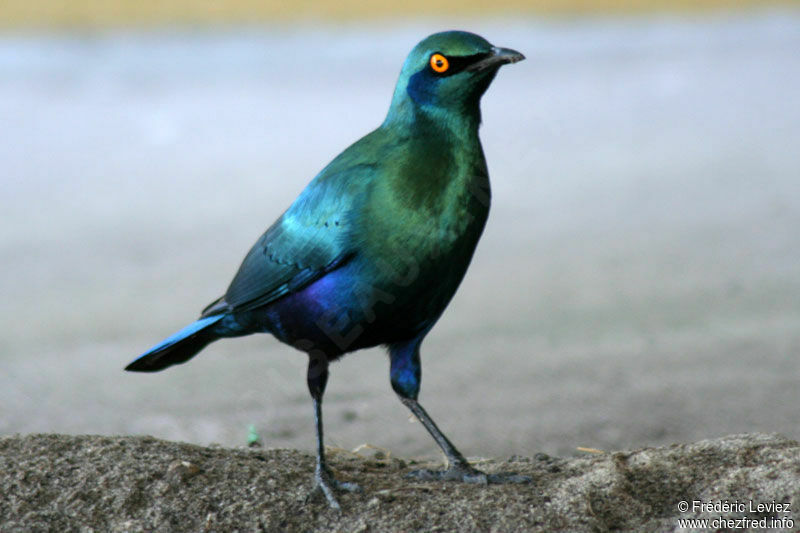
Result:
pixel 374 248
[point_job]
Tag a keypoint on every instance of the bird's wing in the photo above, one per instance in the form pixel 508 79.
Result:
pixel 310 239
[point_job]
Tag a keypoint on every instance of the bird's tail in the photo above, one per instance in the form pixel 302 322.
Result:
pixel 178 348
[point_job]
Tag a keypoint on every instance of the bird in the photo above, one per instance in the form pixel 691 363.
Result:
pixel 374 248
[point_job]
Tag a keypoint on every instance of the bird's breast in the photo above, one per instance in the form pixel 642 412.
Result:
pixel 420 245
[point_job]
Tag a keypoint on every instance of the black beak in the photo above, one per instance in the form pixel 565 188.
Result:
pixel 496 58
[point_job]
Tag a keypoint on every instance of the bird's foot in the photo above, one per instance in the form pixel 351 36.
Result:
pixel 325 482
pixel 467 474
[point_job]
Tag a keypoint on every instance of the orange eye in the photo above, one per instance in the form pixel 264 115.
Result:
pixel 439 63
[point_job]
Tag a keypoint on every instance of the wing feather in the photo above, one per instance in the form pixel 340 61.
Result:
pixel 310 239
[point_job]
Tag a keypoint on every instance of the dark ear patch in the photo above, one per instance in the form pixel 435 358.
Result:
pixel 422 86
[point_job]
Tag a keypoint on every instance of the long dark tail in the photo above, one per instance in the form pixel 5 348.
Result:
pixel 178 348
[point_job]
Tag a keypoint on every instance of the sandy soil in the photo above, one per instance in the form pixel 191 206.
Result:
pixel 133 484
pixel 637 285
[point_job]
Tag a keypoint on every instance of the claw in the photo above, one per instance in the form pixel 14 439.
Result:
pixel 467 474
pixel 508 477
pixel 326 483
pixel 325 487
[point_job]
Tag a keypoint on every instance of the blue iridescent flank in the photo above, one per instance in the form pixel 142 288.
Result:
pixel 323 316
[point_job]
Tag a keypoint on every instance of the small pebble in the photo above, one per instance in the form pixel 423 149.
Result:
pixel 182 470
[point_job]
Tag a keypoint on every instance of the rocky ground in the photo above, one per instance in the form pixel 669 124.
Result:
pixel 51 482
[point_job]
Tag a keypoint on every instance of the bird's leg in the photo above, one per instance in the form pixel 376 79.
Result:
pixel 458 468
pixel 405 376
pixel 317 378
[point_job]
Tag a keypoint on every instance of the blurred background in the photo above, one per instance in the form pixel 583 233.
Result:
pixel 638 282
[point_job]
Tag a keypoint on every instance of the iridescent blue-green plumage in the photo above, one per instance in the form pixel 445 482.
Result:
pixel 374 248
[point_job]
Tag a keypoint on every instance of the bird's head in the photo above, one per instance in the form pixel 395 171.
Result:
pixel 449 71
